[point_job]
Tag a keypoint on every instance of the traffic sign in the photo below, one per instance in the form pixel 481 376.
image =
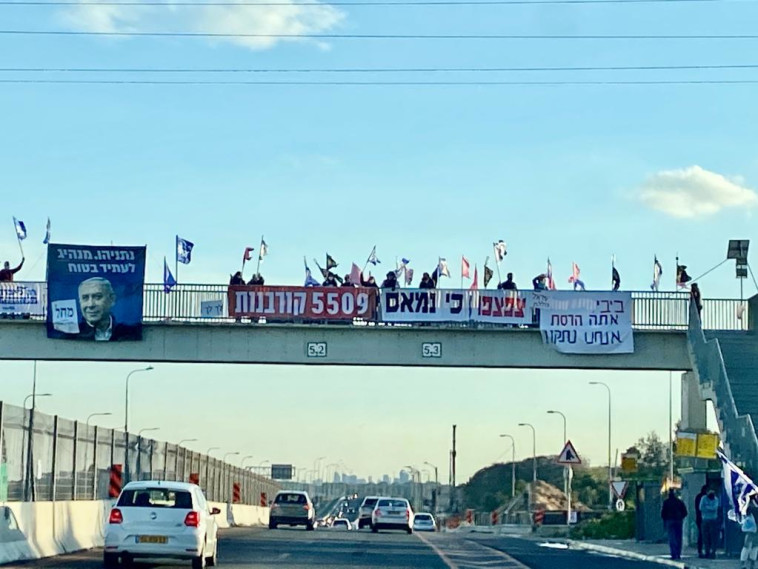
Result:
pixel 569 455
pixel 620 505
pixel 619 487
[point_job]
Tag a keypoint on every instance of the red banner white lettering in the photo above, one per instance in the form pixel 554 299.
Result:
pixel 306 303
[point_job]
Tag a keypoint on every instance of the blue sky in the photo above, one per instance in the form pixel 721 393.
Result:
pixel 573 172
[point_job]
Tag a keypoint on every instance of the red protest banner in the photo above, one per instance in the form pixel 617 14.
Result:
pixel 302 303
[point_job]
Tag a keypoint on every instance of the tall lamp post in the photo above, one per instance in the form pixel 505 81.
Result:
pixel 106 414
pixel 126 395
pixel 208 486
pixel 610 465
pixel 29 487
pixel 513 464
pixel 566 469
pixel 184 463
pixel 139 451
pixel 534 458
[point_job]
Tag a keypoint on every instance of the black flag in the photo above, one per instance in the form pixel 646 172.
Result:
pixel 487 275
pixel 615 278
pixel 330 262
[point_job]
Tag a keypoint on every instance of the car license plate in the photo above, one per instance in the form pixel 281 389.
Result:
pixel 152 539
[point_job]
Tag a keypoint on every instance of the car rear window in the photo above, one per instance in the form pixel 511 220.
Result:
pixel 423 518
pixel 155 498
pixel 290 499
pixel 370 501
pixel 393 504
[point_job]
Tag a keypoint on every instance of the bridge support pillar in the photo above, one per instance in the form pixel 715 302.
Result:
pixel 693 405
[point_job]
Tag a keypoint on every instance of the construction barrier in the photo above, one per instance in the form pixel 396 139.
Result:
pixel 236 493
pixel 470 516
pixel 493 518
pixel 264 500
pixel 116 480
pixel 539 517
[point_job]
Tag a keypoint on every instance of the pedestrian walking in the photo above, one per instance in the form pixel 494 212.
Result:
pixel 699 520
pixel 749 553
pixel 709 509
pixel 673 513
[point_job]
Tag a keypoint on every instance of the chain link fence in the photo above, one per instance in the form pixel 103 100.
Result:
pixel 50 458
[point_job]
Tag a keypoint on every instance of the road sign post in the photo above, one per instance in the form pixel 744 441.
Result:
pixel 567 458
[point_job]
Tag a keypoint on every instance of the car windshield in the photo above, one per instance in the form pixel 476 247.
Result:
pixel 155 498
pixel 290 499
pixel 393 504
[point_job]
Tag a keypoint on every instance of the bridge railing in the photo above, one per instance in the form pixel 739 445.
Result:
pixel 71 460
pixel 651 310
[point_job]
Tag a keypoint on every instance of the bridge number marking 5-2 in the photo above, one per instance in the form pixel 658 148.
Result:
pixel 315 350
pixel 431 350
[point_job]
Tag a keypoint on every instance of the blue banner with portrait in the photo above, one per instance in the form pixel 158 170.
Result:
pixel 95 293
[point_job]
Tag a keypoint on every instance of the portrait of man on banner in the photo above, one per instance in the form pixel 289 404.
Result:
pixel 95 293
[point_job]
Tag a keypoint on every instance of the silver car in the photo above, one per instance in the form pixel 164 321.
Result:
pixel 392 513
pixel 292 508
pixel 365 510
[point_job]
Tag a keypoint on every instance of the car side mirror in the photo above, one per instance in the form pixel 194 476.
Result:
pixel 215 511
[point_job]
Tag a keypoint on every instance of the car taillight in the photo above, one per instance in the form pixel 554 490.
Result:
pixel 377 512
pixel 116 516
pixel 306 507
pixel 408 514
pixel 192 520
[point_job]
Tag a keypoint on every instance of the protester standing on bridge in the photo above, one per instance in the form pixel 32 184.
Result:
pixel 699 520
pixel 696 298
pixel 330 280
pixel 257 280
pixel 426 282
pixel 508 283
pixel 673 513
pixel 236 279
pixel 6 273
pixel 391 281
pixel 347 283
pixel 538 282
pixel 709 509
pixel 370 282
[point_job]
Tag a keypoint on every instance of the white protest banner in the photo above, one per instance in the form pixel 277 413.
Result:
pixel 212 308
pixel 425 305
pixel 586 322
pixel 22 298
pixel 501 307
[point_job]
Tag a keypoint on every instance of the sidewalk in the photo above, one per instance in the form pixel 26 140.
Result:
pixel 653 552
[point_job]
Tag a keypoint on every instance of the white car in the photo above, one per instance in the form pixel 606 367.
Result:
pixel 424 522
pixel 365 510
pixel 161 519
pixel 342 523
pixel 392 513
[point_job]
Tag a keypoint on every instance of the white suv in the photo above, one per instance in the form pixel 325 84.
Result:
pixel 161 519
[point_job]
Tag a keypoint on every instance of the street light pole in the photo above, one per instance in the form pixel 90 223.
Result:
pixel 566 469
pixel 513 465
pixel 126 395
pixel 534 458
pixel 436 486
pixel 107 414
pixel 610 466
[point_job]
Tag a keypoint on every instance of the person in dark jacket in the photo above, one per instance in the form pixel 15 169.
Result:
pixel 696 298
pixel 539 283
pixel 257 280
pixel 347 282
pixel 369 282
pixel 391 281
pixel 426 281
pixel 699 521
pixel 508 283
pixel 673 513
pixel 330 280
pixel 236 279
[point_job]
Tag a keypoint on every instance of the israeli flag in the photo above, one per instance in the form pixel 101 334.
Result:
pixel 183 250
pixel 738 487
pixel 20 229
pixel 169 281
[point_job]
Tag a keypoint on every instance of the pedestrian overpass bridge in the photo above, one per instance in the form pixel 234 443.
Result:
pixel 718 349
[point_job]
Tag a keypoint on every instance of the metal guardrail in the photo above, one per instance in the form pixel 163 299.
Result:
pixel 651 310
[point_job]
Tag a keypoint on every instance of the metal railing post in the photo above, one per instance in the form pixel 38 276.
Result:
pixel 53 469
pixel 73 468
pixel 165 462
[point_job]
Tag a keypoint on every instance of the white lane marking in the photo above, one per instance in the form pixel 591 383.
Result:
pixel 466 554
pixel 552 545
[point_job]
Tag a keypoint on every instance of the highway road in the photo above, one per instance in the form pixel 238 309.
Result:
pixel 260 548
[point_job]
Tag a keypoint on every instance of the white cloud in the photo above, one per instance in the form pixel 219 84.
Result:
pixel 694 192
pixel 287 19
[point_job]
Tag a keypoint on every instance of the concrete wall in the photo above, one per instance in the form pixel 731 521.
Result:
pixel 31 530
pixel 345 345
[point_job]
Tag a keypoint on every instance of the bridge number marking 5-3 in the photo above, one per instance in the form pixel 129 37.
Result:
pixel 431 350
pixel 315 349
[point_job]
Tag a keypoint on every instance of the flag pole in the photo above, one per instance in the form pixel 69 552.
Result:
pixel 497 264
pixel 461 272
pixel 487 258
pixel 260 252
pixel 369 259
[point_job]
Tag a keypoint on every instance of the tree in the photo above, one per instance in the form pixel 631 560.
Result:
pixel 653 453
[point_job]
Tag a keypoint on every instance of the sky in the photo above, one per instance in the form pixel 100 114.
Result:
pixel 574 172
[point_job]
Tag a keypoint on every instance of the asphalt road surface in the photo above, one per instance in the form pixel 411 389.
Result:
pixel 260 548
